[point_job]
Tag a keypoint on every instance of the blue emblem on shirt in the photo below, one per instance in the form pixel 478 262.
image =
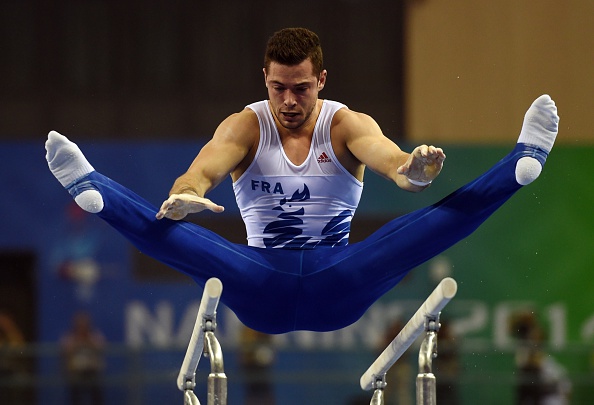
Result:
pixel 287 231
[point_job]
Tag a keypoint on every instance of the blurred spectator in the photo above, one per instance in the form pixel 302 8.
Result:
pixel 12 365
pixel 542 381
pixel 75 253
pixel 256 359
pixel 82 350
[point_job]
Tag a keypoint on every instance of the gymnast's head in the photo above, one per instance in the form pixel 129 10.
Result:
pixel 294 76
pixel 292 46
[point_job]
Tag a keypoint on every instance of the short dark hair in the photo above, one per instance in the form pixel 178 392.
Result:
pixel 291 46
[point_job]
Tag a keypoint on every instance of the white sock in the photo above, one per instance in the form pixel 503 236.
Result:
pixel 527 170
pixel 68 164
pixel 90 201
pixel 541 124
pixel 540 127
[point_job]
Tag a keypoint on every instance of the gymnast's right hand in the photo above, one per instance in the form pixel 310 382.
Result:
pixel 177 206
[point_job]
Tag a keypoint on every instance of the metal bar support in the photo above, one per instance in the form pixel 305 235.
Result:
pixel 426 383
pixel 217 380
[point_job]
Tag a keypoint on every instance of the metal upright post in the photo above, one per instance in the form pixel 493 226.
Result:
pixel 379 384
pixel 204 341
pixel 426 383
pixel 217 380
pixel 190 398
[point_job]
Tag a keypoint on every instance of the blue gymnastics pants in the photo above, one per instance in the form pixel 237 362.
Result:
pixel 320 289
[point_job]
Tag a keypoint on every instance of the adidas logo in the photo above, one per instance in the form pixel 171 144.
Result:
pixel 323 158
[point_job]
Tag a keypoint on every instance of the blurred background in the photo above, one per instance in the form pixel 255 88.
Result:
pixel 142 85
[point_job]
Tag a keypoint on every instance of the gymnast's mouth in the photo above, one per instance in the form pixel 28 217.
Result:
pixel 290 116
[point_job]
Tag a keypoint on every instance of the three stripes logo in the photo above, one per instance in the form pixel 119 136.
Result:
pixel 323 158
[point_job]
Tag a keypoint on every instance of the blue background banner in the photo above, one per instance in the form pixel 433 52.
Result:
pixel 535 254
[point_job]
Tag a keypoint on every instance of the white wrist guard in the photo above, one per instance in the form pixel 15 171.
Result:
pixel 419 183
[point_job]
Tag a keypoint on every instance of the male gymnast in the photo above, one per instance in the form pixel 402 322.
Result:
pixel 297 164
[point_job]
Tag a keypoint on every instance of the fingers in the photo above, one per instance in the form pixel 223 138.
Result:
pixel 214 207
pixel 429 154
pixel 404 169
pixel 178 206
pixel 168 209
pixel 425 156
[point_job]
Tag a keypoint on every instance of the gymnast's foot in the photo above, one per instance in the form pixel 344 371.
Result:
pixel 68 164
pixel 540 127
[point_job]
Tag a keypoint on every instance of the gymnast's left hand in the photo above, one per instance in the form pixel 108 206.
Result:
pixel 423 164
pixel 178 206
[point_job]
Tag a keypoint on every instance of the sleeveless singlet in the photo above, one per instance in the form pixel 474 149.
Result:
pixel 288 206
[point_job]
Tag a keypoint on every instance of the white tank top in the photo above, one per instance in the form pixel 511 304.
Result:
pixel 288 206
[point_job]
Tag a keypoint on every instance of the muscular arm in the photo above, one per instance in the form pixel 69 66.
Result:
pixel 226 153
pixel 362 137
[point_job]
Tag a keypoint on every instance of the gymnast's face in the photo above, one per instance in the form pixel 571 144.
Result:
pixel 293 92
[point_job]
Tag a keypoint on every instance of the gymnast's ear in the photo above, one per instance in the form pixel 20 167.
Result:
pixel 322 79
